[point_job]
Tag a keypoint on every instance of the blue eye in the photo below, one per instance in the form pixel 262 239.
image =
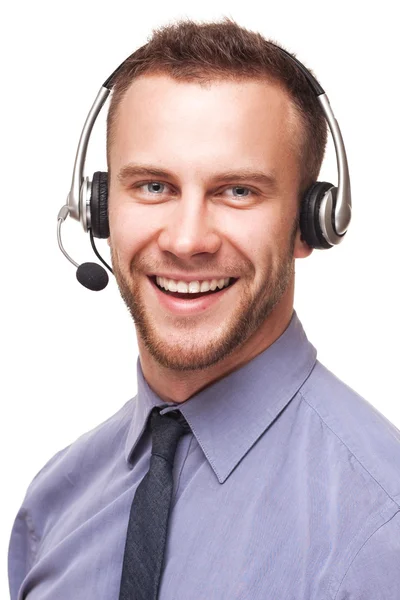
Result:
pixel 241 190
pixel 156 187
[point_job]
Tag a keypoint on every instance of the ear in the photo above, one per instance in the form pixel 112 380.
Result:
pixel 301 248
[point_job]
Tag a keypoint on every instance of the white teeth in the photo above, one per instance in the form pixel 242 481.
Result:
pixel 192 287
pixel 205 286
pixel 183 287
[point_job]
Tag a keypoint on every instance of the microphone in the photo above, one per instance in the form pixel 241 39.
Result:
pixel 90 275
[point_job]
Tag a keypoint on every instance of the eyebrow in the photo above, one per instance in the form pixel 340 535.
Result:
pixel 133 170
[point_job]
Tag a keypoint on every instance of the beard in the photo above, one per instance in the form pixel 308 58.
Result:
pixel 186 352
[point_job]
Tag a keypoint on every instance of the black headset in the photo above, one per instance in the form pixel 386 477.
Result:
pixel 325 211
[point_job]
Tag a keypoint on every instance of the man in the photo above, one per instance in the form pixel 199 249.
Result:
pixel 287 484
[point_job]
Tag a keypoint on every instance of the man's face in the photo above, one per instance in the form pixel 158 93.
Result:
pixel 203 185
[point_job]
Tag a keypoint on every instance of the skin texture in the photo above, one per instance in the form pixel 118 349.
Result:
pixel 191 222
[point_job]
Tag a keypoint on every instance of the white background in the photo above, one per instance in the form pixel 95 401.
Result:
pixel 68 354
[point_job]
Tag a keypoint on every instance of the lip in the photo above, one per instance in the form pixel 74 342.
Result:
pixel 181 307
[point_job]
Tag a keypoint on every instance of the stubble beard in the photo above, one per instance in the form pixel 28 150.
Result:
pixel 186 354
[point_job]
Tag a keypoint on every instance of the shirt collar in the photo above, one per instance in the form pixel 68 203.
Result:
pixel 228 416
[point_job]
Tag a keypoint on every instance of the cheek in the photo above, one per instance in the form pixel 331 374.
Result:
pixel 256 233
pixel 129 230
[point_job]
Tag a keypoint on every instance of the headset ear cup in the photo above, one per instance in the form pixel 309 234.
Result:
pixel 309 215
pixel 99 205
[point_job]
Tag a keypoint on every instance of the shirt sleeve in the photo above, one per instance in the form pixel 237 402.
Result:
pixel 24 537
pixel 375 571
pixel 20 552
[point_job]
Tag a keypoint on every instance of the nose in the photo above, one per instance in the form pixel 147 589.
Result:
pixel 189 228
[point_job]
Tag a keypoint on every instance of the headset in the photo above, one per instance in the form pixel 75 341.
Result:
pixel 325 211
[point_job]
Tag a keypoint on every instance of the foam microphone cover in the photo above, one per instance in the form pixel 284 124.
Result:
pixel 92 276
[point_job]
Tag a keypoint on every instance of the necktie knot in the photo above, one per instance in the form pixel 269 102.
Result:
pixel 166 431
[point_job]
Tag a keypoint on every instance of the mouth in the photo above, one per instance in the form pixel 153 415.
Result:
pixel 192 295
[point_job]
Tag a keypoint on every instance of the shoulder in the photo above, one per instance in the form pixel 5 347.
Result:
pixel 355 451
pixel 374 571
pixel 55 488
pixel 366 433
pixel 71 463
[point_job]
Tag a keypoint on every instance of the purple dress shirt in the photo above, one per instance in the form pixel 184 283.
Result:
pixel 287 489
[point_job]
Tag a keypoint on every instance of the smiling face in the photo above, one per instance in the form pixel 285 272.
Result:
pixel 204 186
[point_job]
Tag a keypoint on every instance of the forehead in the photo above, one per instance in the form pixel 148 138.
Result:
pixel 197 122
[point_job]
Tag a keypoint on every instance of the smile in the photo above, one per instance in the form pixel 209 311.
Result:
pixel 190 302
pixel 192 287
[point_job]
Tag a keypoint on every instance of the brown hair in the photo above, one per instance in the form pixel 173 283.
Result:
pixel 190 51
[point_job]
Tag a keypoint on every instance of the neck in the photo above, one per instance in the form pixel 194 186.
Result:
pixel 173 386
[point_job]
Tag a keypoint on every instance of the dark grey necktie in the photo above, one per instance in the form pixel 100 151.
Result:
pixel 148 519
